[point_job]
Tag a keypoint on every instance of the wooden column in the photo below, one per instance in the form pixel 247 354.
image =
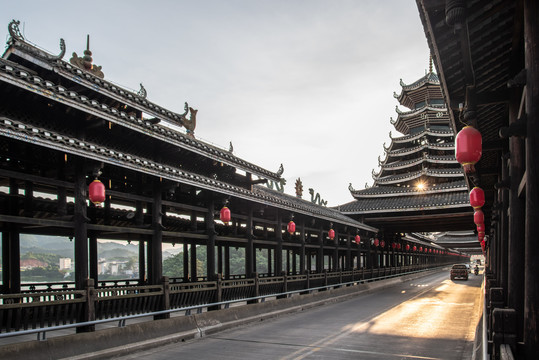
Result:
pixel 227 261
pixel 139 221
pixel 302 249
pixel 193 261
pixel 155 270
pixel 515 283
pixel 220 259
pixel 336 264
pixel 185 260
pixel 270 263
pixel 504 232
pixel 81 226
pixel 94 272
pixel 531 253
pixel 279 245
pixel 349 264
pixel 320 257
pixel 249 246
pixel 210 245
pixel 11 253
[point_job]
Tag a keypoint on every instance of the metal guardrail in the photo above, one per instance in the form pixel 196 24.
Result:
pixel 41 332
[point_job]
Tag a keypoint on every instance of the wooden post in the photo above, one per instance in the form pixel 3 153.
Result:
pixel 227 262
pixel 270 262
pixel 249 246
pixel 81 227
pixel 531 253
pixel 193 255
pixel 349 264
pixel 210 246
pixel 320 256
pixel 515 290
pixel 11 253
pixel 93 259
pixel 185 261
pixel 302 249
pixel 279 246
pixel 336 264
pixel 139 221
pixel 155 271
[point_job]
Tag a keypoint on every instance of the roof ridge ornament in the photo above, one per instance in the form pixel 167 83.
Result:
pixel 85 62
pixel 14 32
pixel 191 123
pixel 142 92
pixel 351 188
pixel 18 40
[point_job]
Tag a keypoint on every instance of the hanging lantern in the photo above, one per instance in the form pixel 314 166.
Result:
pixel 291 227
pixel 414 248
pixel 393 246
pixel 481 227
pixel 376 242
pixel 399 246
pixel 478 217
pixel 407 247
pixel 224 215
pixel 331 234
pixel 96 192
pixel 382 243
pixel 477 198
pixel 468 147
pixel 483 244
pixel 358 239
pixel 421 249
pixel 481 236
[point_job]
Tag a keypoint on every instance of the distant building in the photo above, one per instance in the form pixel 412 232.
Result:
pixel 65 263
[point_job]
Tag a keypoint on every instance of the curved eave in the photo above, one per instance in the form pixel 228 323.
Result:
pixel 418 148
pixel 395 179
pixel 57 93
pixel 411 163
pixel 30 134
pixel 408 192
pixel 428 132
pixel 407 209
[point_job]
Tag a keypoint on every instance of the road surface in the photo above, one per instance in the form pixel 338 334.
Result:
pixel 427 318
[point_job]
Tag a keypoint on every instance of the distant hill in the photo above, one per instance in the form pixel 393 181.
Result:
pixel 63 247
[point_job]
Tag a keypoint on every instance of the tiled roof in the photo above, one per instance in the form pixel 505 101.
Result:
pixel 444 200
pixel 404 177
pixel 18 75
pixel 390 191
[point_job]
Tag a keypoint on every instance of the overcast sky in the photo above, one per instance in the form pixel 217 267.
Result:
pixel 305 83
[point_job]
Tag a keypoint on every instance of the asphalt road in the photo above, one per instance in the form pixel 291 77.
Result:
pixel 428 318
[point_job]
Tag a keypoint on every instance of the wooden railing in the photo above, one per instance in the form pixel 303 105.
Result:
pixel 39 308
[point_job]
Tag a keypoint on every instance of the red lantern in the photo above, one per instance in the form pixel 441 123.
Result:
pixel 96 192
pixel 483 244
pixel 358 239
pixel 393 246
pixel 414 248
pixel 481 236
pixel 331 234
pixel 376 242
pixel 481 227
pixel 407 247
pixel 399 246
pixel 478 217
pixel 468 147
pixel 382 243
pixel 477 198
pixel 421 249
pixel 291 227
pixel 224 215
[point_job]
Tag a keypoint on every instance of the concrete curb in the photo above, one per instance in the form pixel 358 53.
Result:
pixel 112 342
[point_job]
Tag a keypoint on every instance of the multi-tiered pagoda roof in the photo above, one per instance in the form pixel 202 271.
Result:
pixel 419 175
